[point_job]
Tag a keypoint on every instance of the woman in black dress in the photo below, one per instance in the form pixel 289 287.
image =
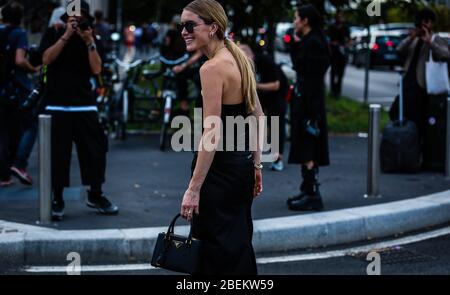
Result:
pixel 224 183
pixel 309 146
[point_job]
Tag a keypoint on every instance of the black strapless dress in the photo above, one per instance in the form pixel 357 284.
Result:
pixel 225 224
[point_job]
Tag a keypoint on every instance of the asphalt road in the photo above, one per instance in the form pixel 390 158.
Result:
pixel 428 257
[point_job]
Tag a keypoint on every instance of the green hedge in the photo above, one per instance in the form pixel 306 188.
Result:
pixel 346 116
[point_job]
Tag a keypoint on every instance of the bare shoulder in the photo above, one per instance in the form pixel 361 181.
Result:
pixel 217 66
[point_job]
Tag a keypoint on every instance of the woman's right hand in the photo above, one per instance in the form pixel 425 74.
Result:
pixel 258 184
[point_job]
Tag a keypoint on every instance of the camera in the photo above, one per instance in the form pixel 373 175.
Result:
pixel 33 99
pixel 84 24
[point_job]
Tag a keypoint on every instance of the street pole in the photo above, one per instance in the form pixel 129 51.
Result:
pixel 373 172
pixel 367 70
pixel 119 12
pixel 45 169
pixel 447 149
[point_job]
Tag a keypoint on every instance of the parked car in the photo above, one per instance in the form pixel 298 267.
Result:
pixel 284 36
pixel 383 48
pixel 383 42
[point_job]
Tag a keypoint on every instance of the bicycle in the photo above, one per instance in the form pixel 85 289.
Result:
pixel 159 93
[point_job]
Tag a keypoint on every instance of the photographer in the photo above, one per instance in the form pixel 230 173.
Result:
pixel 72 59
pixel 416 47
pixel 14 86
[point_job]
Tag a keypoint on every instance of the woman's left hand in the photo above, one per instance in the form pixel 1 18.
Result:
pixel 190 205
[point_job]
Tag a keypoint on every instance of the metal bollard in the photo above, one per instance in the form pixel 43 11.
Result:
pixel 447 147
pixel 45 169
pixel 373 175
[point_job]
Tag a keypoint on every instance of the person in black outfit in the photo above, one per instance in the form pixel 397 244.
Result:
pixel 309 146
pixel 339 36
pixel 272 88
pixel 224 183
pixel 14 88
pixel 72 59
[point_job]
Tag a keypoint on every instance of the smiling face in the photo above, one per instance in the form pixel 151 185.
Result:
pixel 200 35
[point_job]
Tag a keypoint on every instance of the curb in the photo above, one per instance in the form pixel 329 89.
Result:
pixel 28 245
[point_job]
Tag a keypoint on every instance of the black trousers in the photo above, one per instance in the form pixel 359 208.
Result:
pixel 338 65
pixel 10 133
pixel 276 106
pixel 83 129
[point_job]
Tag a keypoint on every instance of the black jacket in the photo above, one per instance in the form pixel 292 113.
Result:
pixel 311 59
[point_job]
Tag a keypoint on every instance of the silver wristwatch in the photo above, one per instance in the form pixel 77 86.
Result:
pixel 259 166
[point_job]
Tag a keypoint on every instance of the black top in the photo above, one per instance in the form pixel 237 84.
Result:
pixel 311 59
pixel 265 69
pixel 69 75
pixel 266 72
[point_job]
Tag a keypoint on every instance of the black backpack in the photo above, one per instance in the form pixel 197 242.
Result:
pixel 6 56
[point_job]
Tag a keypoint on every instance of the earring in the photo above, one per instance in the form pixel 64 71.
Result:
pixel 211 35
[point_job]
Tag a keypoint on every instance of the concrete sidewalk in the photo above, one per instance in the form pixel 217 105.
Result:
pixel 148 186
pixel 20 246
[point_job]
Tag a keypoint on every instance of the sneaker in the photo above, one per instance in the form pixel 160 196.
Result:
pixel 6 182
pixel 102 205
pixel 278 166
pixel 22 175
pixel 58 211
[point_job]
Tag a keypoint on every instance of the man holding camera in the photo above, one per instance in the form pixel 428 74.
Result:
pixel 416 48
pixel 72 58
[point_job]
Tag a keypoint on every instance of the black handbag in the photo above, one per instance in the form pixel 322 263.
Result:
pixel 176 253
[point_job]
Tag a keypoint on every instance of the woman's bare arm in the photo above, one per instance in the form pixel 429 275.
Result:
pixel 212 88
pixel 259 114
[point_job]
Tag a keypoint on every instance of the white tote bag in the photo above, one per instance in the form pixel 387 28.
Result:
pixel 437 76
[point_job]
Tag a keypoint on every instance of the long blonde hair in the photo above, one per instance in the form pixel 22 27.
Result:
pixel 210 11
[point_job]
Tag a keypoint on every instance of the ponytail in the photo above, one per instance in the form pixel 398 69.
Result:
pixel 247 69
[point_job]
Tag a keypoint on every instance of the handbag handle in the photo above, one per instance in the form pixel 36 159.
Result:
pixel 171 229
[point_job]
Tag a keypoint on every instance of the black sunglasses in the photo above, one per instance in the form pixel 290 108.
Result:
pixel 189 26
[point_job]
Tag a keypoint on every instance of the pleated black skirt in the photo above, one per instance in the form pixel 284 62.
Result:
pixel 225 224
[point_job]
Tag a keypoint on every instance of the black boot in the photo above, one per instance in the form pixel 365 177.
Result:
pixel 312 200
pixel 302 194
pixel 308 178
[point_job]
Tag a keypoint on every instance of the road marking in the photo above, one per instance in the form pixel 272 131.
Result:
pixel 93 268
pixel 262 261
pixel 367 248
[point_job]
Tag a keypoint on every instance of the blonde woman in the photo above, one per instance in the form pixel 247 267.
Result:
pixel 224 183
